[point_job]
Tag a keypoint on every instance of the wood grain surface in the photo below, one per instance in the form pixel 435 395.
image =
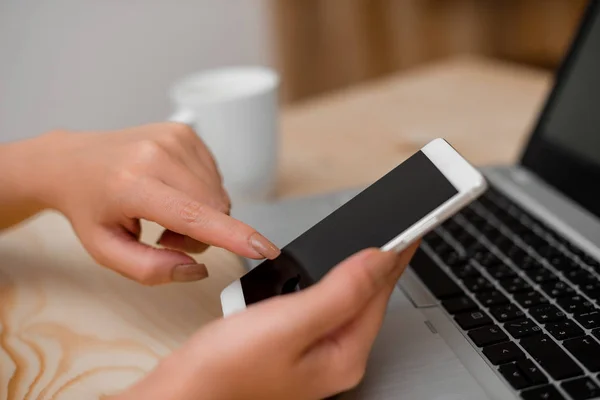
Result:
pixel 70 329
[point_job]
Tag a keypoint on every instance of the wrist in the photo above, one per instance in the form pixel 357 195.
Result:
pixel 24 181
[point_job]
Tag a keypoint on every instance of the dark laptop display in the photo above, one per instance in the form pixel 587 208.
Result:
pixel 565 147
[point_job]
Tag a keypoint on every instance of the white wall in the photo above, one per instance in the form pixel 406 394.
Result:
pixel 103 64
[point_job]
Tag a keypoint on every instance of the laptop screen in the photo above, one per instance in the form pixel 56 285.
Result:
pixel 565 147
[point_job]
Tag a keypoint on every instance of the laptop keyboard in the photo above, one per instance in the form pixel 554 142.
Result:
pixel 528 299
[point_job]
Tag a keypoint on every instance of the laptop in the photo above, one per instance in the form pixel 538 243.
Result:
pixel 503 300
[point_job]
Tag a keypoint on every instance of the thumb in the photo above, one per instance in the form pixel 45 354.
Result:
pixel 119 250
pixel 342 293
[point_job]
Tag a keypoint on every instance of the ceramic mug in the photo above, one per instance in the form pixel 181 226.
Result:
pixel 235 112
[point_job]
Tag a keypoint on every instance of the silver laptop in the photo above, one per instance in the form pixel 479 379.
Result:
pixel 503 300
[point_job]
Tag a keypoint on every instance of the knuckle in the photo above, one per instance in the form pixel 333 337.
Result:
pixel 182 131
pixel 144 275
pixel 122 181
pixel 193 212
pixel 148 152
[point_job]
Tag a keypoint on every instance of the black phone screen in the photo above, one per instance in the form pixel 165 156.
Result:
pixel 371 219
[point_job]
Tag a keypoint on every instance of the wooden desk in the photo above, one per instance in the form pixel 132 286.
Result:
pixel 72 330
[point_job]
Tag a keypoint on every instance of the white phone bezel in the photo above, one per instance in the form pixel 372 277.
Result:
pixel 467 180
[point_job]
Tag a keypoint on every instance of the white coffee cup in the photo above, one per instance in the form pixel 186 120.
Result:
pixel 235 112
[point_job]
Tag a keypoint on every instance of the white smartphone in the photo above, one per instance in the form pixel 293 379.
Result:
pixel 399 208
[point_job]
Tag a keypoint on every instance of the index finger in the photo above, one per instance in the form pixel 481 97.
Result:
pixel 178 212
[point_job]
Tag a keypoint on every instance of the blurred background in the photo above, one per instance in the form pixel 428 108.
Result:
pixel 89 64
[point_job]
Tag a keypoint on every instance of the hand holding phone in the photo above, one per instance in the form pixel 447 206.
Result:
pixel 309 345
pixel 402 206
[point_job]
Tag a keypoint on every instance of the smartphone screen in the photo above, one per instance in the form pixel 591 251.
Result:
pixel 371 219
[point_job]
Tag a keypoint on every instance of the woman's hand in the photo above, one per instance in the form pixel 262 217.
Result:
pixel 306 345
pixel 105 182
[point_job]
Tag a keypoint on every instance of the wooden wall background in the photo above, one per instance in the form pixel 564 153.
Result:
pixel 324 45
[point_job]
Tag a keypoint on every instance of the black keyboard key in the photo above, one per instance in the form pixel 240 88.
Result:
pixel 516 253
pixel 522 328
pixel 532 372
pixel 541 275
pixel 493 298
pixel 459 304
pixel 502 242
pixel 580 277
pixel 590 287
pixel 587 259
pixel 475 251
pixel 442 247
pixel 546 392
pixel 465 239
pixel 501 272
pixel 470 214
pixel 464 271
pixel 494 236
pixel 595 265
pixel 581 388
pixel 575 305
pixel 488 259
pixel 532 239
pixel 432 238
pixel 521 258
pixel 548 251
pixel 558 289
pixel 503 353
pixel 546 313
pixel 487 335
pixel 527 263
pixel 589 320
pixel 562 330
pixel 436 280
pixel 507 312
pixel 476 220
pixel 514 376
pixel 507 246
pixel 452 227
pixel 564 263
pixel 453 258
pixel 594 296
pixel 530 299
pixel 473 319
pixel 596 332
pixel 515 285
pixel 478 285
pixel 586 350
pixel 551 357
pixel 487 229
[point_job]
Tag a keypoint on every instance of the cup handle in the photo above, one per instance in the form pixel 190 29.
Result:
pixel 184 116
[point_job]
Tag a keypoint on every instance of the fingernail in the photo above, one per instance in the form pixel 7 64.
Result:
pixel 189 272
pixel 263 246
